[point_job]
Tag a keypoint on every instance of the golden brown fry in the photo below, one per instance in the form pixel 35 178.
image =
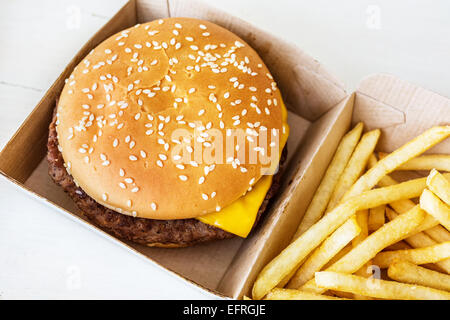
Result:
pixel 338 256
pixel 426 162
pixel 405 271
pixel 329 248
pixel 291 294
pixel 355 166
pixel 376 288
pixel 434 206
pixel 400 156
pixel 431 254
pixel 430 225
pixel 388 234
pixel 362 217
pixel 323 193
pixel 290 258
pixel 421 240
pixel 376 218
pixel 401 245
pixel 439 185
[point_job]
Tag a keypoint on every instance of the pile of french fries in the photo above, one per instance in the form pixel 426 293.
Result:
pixel 366 235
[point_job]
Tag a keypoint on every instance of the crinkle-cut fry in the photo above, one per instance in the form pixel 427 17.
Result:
pixel 433 254
pixel 400 156
pixel 290 258
pixel 439 185
pixel 426 162
pixel 292 294
pixel 327 250
pixel 388 234
pixel 377 288
pixel 376 218
pixel 421 240
pixel 323 193
pixel 435 207
pixel 405 271
pixel 355 166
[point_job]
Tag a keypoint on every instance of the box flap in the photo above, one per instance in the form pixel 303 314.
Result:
pixel 401 109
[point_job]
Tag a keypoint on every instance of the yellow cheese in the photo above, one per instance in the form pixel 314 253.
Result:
pixel 239 217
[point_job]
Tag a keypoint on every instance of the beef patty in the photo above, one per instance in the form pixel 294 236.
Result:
pixel 150 232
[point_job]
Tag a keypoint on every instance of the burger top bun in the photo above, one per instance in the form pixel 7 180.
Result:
pixel 137 109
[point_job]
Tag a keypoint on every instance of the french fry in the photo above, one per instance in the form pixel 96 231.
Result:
pixel 405 271
pixel 427 162
pixel 329 248
pixel 421 240
pixel 290 258
pixel 362 217
pixel 434 206
pixel 291 294
pixel 323 193
pixel 388 234
pixel 431 225
pixel 377 288
pixel 439 185
pixel 376 218
pixel 425 255
pixel 355 166
pixel 338 256
pixel 400 156
pixel 401 245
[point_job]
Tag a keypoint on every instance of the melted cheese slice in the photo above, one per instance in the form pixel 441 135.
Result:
pixel 239 217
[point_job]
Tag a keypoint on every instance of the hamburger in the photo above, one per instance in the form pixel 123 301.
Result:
pixel 168 134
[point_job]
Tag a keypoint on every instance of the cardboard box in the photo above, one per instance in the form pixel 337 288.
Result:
pixel 320 113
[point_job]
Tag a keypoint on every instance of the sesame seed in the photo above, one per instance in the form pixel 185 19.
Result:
pixel 153 206
pixel 133 158
pixel 135 189
pixel 121 172
pixel 183 177
pixel 204 196
pixel 104 197
pixel 122 185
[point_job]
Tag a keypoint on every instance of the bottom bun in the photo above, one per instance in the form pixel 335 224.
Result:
pixel 150 232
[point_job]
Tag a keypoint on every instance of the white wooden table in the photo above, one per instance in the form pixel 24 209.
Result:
pixel 44 255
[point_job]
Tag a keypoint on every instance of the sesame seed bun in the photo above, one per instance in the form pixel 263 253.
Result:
pixel 123 107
